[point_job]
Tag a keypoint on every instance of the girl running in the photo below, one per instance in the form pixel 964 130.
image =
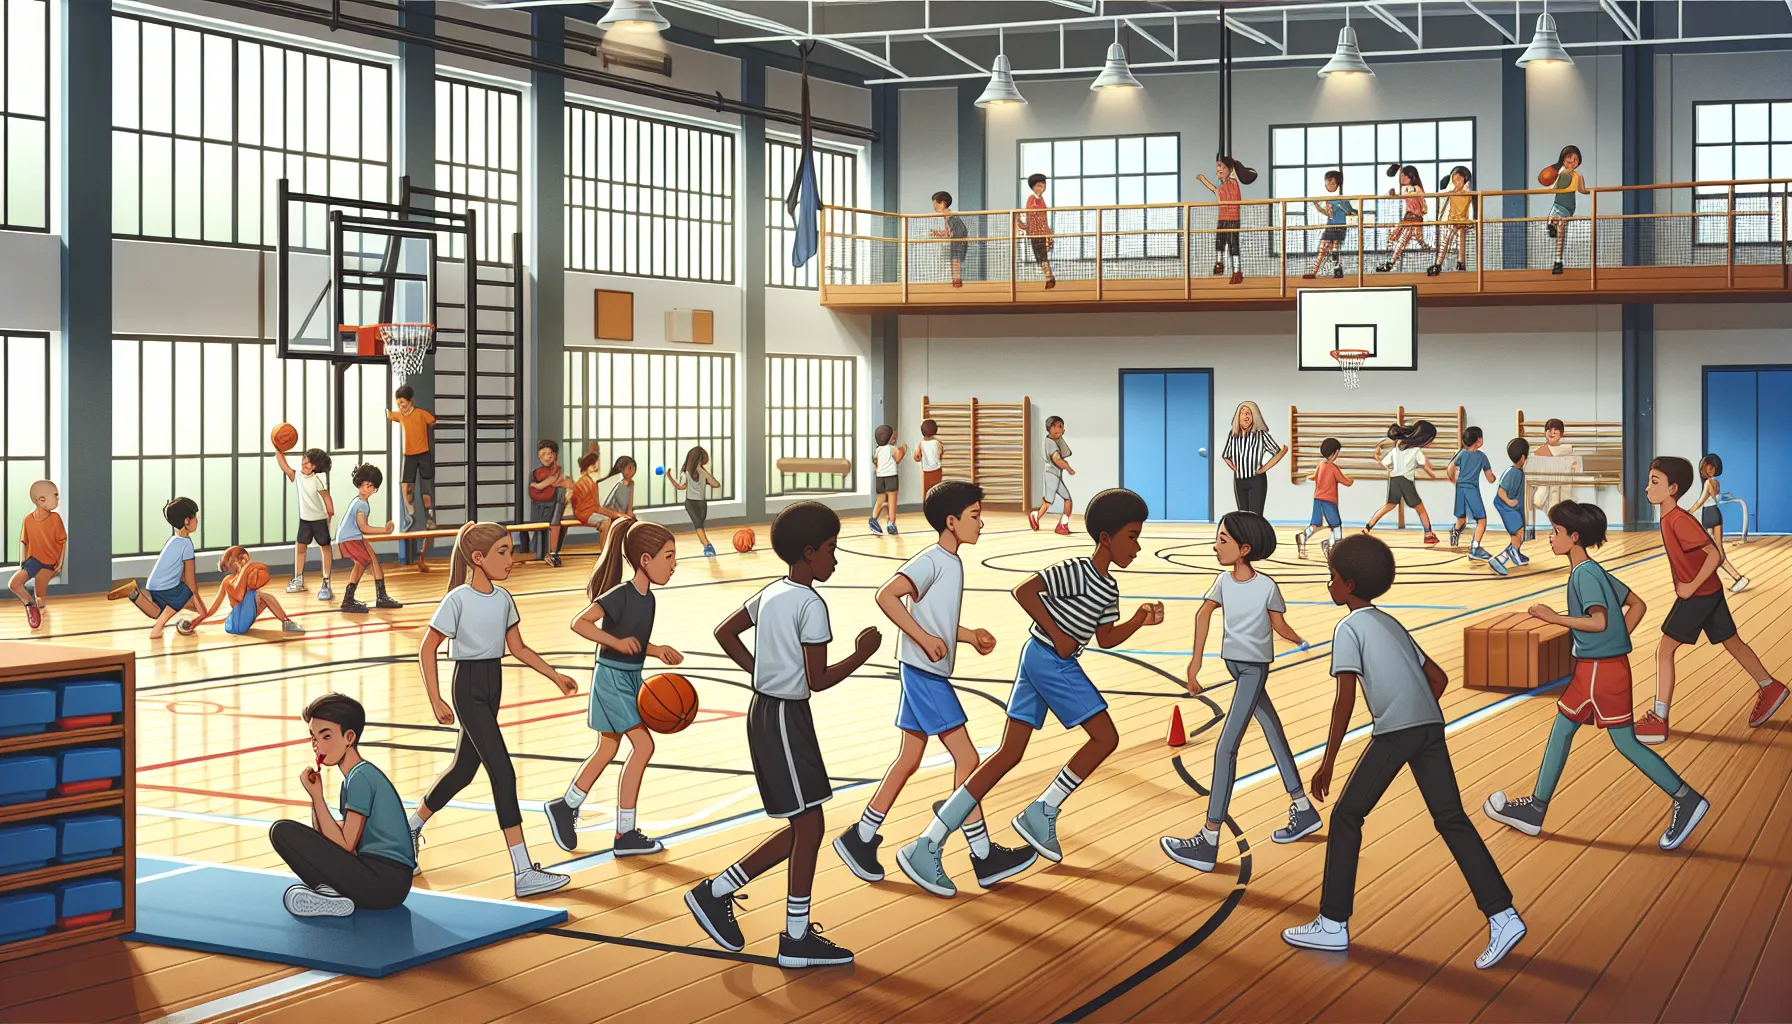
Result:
pixel 695 480
pixel 1412 218
pixel 1710 468
pixel 1565 177
pixel 1459 212
pixel 1404 461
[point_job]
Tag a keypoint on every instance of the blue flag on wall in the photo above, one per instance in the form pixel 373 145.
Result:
pixel 803 202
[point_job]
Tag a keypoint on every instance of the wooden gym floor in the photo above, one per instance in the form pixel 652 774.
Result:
pixel 1619 930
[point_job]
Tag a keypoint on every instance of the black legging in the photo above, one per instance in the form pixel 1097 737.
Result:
pixel 373 883
pixel 1251 492
pixel 478 686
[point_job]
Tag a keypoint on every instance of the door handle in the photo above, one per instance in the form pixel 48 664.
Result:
pixel 1201 452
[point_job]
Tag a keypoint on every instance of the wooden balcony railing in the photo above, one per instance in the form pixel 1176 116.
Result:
pixel 1680 241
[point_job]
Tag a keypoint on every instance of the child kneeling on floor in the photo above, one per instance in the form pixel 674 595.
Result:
pixel 364 861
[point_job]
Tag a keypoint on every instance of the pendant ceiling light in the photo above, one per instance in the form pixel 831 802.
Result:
pixel 1347 60
pixel 1116 75
pixel 1546 46
pixel 1001 91
pixel 633 14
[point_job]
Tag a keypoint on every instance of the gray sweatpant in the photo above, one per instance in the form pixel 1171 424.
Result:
pixel 1250 698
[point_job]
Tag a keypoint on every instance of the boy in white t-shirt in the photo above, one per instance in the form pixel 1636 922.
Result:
pixel 311 482
pixel 924 600
pixel 886 460
pixel 928 453
pixel 173 584
pixel 1404 461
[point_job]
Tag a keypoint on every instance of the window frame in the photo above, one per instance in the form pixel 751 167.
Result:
pixel 817 443
pixel 780 236
pixel 8 116
pixel 10 456
pixel 581 412
pixel 493 240
pixel 1369 233
pixel 1711 231
pixel 1086 221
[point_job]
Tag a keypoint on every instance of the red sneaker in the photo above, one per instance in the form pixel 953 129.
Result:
pixel 1237 277
pixel 1652 729
pixel 1063 529
pixel 1431 538
pixel 1766 703
pixel 34 617
pixel 1033 520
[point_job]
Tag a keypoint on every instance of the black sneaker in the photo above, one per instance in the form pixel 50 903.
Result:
pixel 1300 824
pixel 1002 862
pixel 1551 229
pixel 1689 810
pixel 1524 814
pixel 1460 265
pixel 352 606
pixel 1434 269
pixel 1339 272
pixel 563 823
pixel 1557 268
pixel 812 950
pixel 716 915
pixel 382 601
pixel 1384 268
pixel 860 855
pixel 635 842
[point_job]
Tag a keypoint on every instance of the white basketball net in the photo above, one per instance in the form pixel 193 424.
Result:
pixel 406 346
pixel 1352 365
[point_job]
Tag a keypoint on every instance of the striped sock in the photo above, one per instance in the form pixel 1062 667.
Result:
pixel 868 823
pixel 796 916
pixel 977 834
pixel 728 881
pixel 1061 787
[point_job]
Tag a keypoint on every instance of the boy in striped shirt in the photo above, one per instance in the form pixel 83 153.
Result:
pixel 1070 604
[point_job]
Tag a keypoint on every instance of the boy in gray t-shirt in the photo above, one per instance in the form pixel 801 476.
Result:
pixel 1056 453
pixel 1401 685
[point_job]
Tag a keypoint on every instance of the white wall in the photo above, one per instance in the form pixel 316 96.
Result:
pixel 31 284
pixel 1557 361
pixel 1690 338
pixel 835 101
pixel 1580 105
pixel 927 147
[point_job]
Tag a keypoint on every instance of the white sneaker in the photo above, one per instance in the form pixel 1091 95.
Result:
pixel 1323 933
pixel 324 593
pixel 304 901
pixel 1503 932
pixel 1740 585
pixel 296 585
pixel 536 882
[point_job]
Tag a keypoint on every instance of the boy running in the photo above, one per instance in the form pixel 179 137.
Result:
pixel 1325 499
pixel 1466 465
pixel 1070 604
pixel 1057 463
pixel 1508 501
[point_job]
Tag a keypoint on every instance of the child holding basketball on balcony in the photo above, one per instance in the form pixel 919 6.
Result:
pixel 1231 174
pixel 1466 466
pixel 419 470
pixel 1404 461
pixel 619 621
pixel 1565 178
pixel 351 540
pixel 1710 468
pixel 1337 214
pixel 1508 501
pixel 1412 218
pixel 1459 212
pixel 695 480
pixel 788 662
pixel 242 587
pixel 1325 498
pixel 886 462
pixel 311 482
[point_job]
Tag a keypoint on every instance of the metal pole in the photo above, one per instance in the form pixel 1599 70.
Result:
pixel 470 335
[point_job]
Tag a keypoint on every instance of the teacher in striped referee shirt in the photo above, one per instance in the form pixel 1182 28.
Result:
pixel 1251 453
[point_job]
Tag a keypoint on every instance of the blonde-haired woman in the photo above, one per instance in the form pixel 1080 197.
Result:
pixel 1252 453
pixel 480 619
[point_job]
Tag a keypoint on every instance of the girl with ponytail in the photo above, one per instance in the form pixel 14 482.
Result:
pixel 1412 219
pixel 1564 176
pixel 637 557
pixel 1231 173
pixel 1459 212
pixel 1404 461
pixel 480 621
pixel 696 481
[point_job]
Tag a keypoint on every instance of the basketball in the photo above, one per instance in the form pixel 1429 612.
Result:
pixel 255 576
pixel 285 437
pixel 1546 177
pixel 743 540
pixel 668 703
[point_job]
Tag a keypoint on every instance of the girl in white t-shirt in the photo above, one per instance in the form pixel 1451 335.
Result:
pixel 886 460
pixel 1404 461
pixel 928 453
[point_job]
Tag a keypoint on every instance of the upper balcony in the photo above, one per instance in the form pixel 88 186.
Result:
pixel 1683 242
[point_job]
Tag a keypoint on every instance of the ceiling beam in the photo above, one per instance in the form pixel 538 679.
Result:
pixel 786 33
pixel 978 67
pixel 1154 41
pixel 1625 25
pixel 1396 24
pixel 1252 34
pixel 1511 37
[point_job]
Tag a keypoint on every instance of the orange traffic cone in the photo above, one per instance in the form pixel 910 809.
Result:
pixel 1178 737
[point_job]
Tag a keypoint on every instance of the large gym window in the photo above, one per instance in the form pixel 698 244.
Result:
pixel 812 412
pixel 190 419
pixel 25 115
pixel 479 152
pixel 27 370
pixel 1299 156
pixel 653 407
pixel 647 197
pixel 205 123
pixel 1741 142
pixel 1126 170
pixel 837 175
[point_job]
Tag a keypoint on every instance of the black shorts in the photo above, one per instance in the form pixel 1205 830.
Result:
pixel 313 531
pixel 1042 249
pixel 698 510
pixel 1710 517
pixel 959 249
pixel 1226 239
pixel 1708 614
pixel 1401 489
pixel 1332 235
pixel 886 485
pixel 421 466
pixel 786 756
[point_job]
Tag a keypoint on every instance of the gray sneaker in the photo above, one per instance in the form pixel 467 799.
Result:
pixel 920 861
pixel 304 901
pixel 1689 810
pixel 289 626
pixel 1195 852
pixel 296 585
pixel 1524 814
pixel 324 593
pixel 532 881
pixel 1038 825
pixel 416 851
pixel 1300 824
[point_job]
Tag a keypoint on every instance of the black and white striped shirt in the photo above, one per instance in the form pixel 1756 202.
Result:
pixel 1249 452
pixel 1078 598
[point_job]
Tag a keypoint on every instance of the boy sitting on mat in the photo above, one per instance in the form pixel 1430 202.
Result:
pixel 364 861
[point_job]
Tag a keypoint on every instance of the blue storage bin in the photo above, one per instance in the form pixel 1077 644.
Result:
pixel 26 915
pixel 88 702
pixel 86 896
pixel 26 777
pixel 28 847
pixel 25 710
pixel 88 764
pixel 89 836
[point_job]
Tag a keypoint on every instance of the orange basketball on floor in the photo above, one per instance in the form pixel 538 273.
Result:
pixel 285 437
pixel 255 576
pixel 743 540
pixel 1547 176
pixel 667 702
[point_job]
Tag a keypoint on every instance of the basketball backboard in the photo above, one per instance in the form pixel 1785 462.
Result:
pixel 1381 321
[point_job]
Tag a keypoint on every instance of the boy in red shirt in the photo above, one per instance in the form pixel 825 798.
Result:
pixel 43 544
pixel 1699 604
pixel 1037 227
pixel 1325 499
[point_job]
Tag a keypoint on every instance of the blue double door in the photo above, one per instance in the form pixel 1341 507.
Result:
pixel 1166 429
pixel 1749 426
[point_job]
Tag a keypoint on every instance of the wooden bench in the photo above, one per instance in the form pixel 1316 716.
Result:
pixel 1515 652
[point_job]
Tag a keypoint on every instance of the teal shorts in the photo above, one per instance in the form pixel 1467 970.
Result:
pixel 615 687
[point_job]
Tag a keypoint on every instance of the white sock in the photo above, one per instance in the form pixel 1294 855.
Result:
pixel 519 858
pixel 868 823
pixel 1308 535
pixel 1064 520
pixel 574 795
pixel 625 820
pixel 977 834
pixel 1212 835
pixel 1301 803
pixel 1661 710
pixel 416 823
pixel 1764 683
pixel 1337 534
pixel 796 916
pixel 1061 787
pixel 728 881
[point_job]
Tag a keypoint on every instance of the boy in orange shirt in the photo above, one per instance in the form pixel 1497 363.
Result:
pixel 1325 499
pixel 43 544
pixel 419 454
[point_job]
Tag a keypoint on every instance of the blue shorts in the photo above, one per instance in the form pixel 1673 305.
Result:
pixel 31 567
pixel 1325 513
pixel 929 705
pixel 615 692
pixel 1511 517
pixel 243 615
pixel 174 598
pixel 1559 212
pixel 1468 503
pixel 1045 680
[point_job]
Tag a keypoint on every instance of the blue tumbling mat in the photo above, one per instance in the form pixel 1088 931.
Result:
pixel 216 908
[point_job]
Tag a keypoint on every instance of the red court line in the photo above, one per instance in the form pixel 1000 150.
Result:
pixel 282 801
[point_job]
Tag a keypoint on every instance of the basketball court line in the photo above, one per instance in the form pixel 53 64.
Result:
pixel 247 998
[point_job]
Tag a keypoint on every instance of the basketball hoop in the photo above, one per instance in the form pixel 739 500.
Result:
pixel 405 346
pixel 1350 360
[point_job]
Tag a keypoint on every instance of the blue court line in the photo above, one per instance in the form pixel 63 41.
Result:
pixel 1327 604
pixel 1211 654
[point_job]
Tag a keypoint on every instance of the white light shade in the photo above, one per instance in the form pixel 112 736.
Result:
pixel 1116 75
pixel 633 13
pixel 1348 60
pixel 1001 89
pixel 1546 46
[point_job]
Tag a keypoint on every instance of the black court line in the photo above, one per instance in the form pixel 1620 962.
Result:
pixel 564 759
pixel 663 947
